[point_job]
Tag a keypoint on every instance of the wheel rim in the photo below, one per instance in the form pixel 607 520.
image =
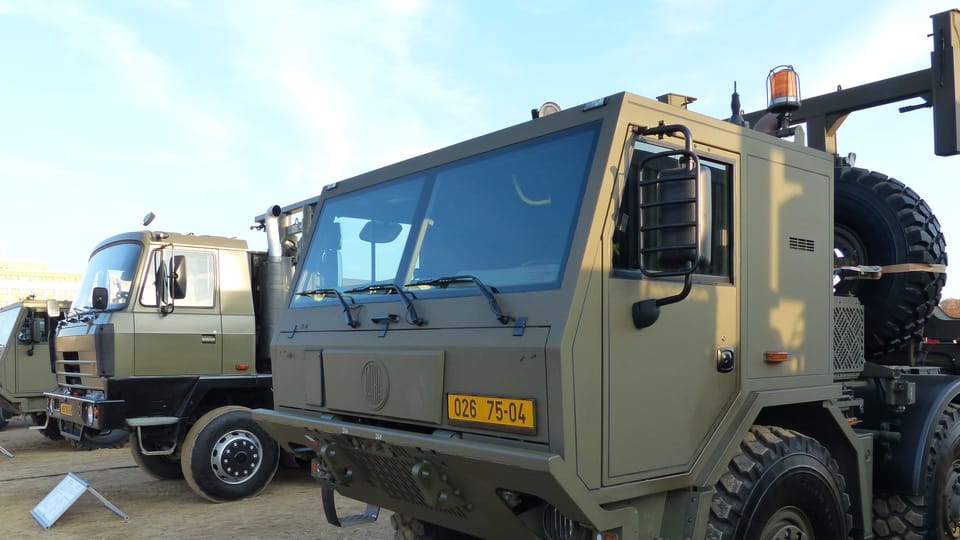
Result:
pixel 951 501
pixel 789 523
pixel 236 456
pixel 848 250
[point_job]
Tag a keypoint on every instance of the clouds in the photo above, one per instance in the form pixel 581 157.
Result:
pixel 207 112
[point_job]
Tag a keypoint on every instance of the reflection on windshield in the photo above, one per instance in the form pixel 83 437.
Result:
pixel 506 217
pixel 8 318
pixel 113 267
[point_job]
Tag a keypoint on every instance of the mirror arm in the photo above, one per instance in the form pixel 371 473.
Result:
pixel 646 312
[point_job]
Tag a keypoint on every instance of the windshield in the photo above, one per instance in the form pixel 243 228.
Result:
pixel 8 318
pixel 113 267
pixel 505 217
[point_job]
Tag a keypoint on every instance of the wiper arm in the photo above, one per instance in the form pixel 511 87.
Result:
pixel 486 290
pixel 347 314
pixel 412 316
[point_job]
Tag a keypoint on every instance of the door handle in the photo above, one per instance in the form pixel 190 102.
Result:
pixel 208 338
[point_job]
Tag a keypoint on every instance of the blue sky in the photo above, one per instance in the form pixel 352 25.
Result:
pixel 206 113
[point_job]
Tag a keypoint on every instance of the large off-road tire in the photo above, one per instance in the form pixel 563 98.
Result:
pixel 408 528
pixel 781 485
pixel 50 429
pixel 160 467
pixel 935 515
pixel 108 438
pixel 878 221
pixel 226 456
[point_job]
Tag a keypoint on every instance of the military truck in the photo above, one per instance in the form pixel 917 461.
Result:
pixel 25 360
pixel 627 319
pixel 166 340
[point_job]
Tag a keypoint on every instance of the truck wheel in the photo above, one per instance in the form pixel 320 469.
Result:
pixel 879 221
pixel 227 456
pixel 781 485
pixel 897 516
pixel 50 430
pixel 108 438
pixel 160 467
pixel 408 528
pixel 4 418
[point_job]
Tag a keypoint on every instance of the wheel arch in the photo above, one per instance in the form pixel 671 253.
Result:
pixel 902 461
pixel 821 421
pixel 211 393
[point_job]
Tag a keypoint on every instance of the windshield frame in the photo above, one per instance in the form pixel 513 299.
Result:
pixel 524 156
pixel 10 313
pixel 120 290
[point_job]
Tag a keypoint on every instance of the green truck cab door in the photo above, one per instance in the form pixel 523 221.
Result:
pixel 32 354
pixel 668 385
pixel 179 329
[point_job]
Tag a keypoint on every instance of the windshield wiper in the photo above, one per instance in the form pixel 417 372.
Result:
pixel 412 316
pixel 347 314
pixel 486 290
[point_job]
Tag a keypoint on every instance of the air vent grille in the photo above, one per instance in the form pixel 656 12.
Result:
pixel 801 244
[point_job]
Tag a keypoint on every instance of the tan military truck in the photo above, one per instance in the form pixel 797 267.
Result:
pixel 166 340
pixel 630 320
pixel 25 372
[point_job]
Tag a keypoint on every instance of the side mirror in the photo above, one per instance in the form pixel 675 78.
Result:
pixel 179 277
pixel 674 237
pixel 25 335
pixel 100 298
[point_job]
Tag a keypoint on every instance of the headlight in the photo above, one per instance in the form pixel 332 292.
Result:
pixel 90 413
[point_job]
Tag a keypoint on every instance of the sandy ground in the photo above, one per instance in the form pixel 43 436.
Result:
pixel 288 509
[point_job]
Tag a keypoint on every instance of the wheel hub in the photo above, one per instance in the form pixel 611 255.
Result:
pixel 236 456
pixel 789 523
pixel 951 501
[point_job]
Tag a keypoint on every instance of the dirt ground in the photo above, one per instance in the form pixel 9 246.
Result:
pixel 289 508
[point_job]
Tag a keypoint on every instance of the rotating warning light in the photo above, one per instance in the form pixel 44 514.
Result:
pixel 783 90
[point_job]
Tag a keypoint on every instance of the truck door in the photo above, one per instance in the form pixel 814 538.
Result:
pixel 184 337
pixel 664 392
pixel 32 355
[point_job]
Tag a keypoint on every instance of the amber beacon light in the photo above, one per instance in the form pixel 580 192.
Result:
pixel 783 90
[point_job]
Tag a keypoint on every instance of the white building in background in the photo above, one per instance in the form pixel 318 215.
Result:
pixel 18 280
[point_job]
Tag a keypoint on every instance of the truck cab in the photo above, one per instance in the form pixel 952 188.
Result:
pixel 25 359
pixel 164 341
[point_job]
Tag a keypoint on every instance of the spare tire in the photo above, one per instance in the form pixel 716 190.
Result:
pixel 878 221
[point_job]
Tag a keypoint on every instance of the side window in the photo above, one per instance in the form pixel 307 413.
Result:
pixel 625 253
pixel 201 282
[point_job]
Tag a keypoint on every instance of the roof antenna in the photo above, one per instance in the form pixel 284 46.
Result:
pixel 736 113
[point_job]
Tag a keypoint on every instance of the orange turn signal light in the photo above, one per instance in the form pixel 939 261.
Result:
pixel 776 357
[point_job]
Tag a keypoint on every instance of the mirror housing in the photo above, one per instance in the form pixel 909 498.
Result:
pixel 179 277
pixel 100 298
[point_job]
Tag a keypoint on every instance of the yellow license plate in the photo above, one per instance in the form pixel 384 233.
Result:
pixel 512 414
pixel 66 409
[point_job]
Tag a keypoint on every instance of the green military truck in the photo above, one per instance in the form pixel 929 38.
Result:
pixel 166 341
pixel 629 320
pixel 25 359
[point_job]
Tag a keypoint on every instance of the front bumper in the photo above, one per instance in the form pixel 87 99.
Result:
pixel 93 413
pixel 440 478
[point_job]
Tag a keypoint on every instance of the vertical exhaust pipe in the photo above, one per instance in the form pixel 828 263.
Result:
pixel 276 275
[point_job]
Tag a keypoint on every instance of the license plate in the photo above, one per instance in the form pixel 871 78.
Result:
pixel 66 409
pixel 497 412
